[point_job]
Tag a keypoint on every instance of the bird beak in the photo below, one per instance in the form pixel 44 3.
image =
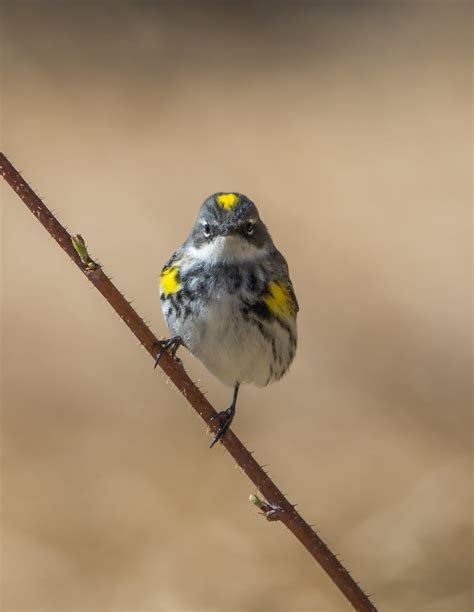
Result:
pixel 228 230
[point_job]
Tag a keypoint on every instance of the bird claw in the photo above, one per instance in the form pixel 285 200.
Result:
pixel 225 418
pixel 172 344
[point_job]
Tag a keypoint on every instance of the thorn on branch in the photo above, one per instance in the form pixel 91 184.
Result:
pixel 269 511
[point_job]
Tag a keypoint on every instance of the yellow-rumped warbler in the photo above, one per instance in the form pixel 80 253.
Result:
pixel 227 297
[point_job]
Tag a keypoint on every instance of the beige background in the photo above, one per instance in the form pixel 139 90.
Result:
pixel 349 125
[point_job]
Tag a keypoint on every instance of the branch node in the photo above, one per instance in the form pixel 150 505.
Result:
pixel 269 511
pixel 81 249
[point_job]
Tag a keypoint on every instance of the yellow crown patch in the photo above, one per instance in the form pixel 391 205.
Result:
pixel 227 200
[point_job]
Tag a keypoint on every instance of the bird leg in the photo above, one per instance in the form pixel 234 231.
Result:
pixel 225 417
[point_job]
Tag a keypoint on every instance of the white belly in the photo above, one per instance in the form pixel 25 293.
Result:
pixel 228 345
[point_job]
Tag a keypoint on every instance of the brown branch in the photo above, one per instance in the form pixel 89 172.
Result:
pixel 277 507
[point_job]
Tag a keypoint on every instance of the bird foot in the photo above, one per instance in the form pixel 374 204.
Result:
pixel 172 345
pixel 225 418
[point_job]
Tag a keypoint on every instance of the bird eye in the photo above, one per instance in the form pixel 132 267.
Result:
pixel 206 229
pixel 249 228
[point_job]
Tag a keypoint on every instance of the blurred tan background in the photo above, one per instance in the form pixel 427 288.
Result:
pixel 350 127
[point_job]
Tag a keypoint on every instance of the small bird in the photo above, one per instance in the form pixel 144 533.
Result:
pixel 227 297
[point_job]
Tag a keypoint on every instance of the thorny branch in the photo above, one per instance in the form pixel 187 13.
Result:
pixel 276 507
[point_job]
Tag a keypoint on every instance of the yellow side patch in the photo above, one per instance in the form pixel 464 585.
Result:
pixel 169 282
pixel 227 200
pixel 278 300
